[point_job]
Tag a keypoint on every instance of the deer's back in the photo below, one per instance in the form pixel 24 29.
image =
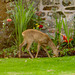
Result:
pixel 35 35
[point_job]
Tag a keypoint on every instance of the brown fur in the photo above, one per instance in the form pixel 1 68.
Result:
pixel 32 35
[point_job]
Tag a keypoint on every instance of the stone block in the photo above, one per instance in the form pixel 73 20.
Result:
pixel 42 14
pixel 47 2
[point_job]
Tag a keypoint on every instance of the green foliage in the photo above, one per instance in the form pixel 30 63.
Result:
pixel 67 52
pixel 57 38
pixel 35 21
pixel 58 31
pixel 1 52
pixel 21 17
pixel 65 45
pixel 34 47
pixel 11 51
pixel 50 51
pixel 67 31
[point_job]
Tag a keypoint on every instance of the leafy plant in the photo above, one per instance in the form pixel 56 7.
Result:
pixel 67 52
pixel 11 51
pixel 67 31
pixel 50 51
pixel 1 52
pixel 58 31
pixel 37 17
pixel 36 21
pixel 34 47
pixel 57 37
pixel 21 17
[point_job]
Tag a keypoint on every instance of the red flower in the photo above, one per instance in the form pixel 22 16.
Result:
pixel 64 37
pixel 9 20
pixel 66 41
pixel 40 26
pixel 70 40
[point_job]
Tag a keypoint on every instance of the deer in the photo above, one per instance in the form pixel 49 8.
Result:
pixel 42 39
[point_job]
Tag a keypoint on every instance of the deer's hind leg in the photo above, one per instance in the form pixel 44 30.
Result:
pixel 38 49
pixel 20 47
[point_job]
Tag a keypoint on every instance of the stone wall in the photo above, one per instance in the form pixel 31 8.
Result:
pixel 52 8
pixel 65 8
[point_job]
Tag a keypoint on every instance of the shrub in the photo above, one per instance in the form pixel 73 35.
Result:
pixel 9 52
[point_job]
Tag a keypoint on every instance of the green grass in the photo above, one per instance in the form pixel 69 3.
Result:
pixel 38 66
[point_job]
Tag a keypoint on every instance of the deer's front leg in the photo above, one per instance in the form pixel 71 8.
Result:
pixel 38 48
pixel 28 49
pixel 46 51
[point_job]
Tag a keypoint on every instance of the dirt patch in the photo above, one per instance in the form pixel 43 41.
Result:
pixel 42 53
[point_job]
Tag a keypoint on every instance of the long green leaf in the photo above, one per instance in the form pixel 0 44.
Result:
pixel 21 18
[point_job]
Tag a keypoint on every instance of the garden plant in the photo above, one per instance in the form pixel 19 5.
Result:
pixel 21 17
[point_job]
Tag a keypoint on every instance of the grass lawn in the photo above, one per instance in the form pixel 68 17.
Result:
pixel 38 66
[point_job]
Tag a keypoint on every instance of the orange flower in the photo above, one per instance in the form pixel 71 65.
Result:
pixel 64 37
pixel 9 20
pixel 66 41
pixel 70 40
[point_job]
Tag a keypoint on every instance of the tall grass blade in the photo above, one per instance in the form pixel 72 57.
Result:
pixel 67 31
pixel 21 17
